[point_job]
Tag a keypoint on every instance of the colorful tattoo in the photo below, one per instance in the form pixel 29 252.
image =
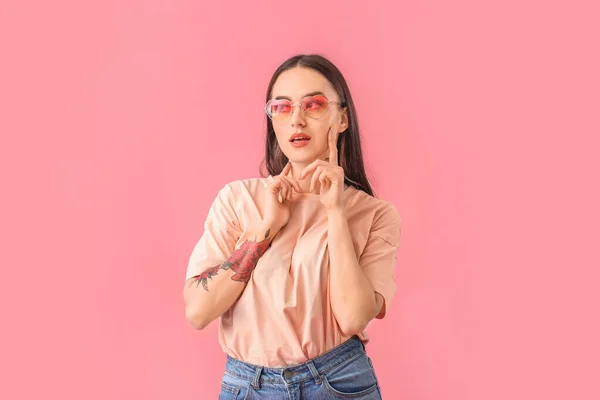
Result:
pixel 242 261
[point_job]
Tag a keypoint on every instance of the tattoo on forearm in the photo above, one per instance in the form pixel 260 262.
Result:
pixel 242 261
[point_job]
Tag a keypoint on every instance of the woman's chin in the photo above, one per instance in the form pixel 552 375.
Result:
pixel 302 159
pixel 299 155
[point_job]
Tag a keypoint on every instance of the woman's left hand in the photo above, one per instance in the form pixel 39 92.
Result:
pixel 330 175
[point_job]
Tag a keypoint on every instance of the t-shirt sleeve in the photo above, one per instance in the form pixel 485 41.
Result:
pixel 379 256
pixel 221 233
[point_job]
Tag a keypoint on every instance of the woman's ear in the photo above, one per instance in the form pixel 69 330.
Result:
pixel 344 123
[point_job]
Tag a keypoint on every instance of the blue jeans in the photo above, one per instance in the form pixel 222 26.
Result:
pixel 345 372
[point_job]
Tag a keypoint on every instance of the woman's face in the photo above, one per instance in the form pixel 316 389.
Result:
pixel 295 84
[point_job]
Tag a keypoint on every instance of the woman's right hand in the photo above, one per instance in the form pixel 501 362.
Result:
pixel 277 209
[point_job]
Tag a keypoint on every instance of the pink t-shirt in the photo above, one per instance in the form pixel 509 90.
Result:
pixel 284 315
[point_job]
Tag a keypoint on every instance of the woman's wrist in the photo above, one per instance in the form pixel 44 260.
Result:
pixel 271 227
pixel 335 212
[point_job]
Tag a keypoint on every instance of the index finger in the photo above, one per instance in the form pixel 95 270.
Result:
pixel 333 153
pixel 286 169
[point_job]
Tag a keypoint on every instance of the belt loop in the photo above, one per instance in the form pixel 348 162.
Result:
pixel 361 343
pixel 314 372
pixel 256 380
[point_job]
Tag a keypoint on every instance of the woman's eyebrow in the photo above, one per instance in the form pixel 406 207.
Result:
pixel 306 95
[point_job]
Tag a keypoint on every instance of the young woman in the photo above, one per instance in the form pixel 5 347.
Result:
pixel 297 263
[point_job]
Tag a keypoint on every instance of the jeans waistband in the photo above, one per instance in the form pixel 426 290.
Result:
pixel 311 369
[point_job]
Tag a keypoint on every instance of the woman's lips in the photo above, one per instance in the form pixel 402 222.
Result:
pixel 299 139
pixel 299 135
pixel 300 143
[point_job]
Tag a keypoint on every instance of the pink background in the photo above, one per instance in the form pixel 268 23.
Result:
pixel 121 119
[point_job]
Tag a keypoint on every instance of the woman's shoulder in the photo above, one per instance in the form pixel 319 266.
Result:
pixel 378 207
pixel 377 216
pixel 246 185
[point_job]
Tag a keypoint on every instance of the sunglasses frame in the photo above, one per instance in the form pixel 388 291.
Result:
pixel 300 104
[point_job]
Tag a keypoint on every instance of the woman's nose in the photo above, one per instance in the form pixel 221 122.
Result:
pixel 297 117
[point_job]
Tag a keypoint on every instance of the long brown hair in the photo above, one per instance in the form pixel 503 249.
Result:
pixel 349 149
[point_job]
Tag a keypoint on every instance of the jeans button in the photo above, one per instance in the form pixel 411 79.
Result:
pixel 288 374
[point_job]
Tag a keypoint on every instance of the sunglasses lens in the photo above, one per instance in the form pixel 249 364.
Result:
pixel 278 109
pixel 315 106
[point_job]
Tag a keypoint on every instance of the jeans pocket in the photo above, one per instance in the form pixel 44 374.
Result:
pixel 228 392
pixel 233 388
pixel 370 393
pixel 353 379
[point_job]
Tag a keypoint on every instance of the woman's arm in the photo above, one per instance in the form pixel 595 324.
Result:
pixel 208 295
pixel 353 299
